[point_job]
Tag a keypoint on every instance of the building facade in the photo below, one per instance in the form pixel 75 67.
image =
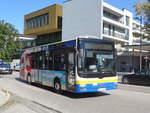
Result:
pixel 45 24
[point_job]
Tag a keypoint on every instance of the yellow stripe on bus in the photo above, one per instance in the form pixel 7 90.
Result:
pixel 96 81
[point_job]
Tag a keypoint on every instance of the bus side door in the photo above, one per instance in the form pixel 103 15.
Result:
pixel 71 71
pixel 38 67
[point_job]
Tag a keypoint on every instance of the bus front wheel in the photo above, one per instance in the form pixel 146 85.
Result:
pixel 57 86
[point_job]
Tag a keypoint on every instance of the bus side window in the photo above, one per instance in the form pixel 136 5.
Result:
pixel 59 61
pixel 50 57
pixel 46 62
pixel 33 61
pixel 43 61
pixel 63 63
pixel 36 61
pixel 41 64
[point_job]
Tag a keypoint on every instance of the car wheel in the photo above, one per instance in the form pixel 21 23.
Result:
pixel 57 86
pixel 125 80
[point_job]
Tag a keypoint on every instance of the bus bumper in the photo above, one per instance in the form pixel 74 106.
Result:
pixel 96 87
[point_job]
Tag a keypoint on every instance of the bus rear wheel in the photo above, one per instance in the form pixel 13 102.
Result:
pixel 29 79
pixel 57 86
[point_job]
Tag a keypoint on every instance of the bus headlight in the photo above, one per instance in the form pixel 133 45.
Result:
pixel 95 84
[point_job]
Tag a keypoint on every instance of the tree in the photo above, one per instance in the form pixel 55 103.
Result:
pixel 8 40
pixel 143 9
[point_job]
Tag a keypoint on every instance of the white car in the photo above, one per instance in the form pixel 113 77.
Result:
pixel 5 68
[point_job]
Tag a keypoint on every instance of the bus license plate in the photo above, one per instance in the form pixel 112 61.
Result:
pixel 102 89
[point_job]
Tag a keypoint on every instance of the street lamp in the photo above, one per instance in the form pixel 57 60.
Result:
pixel 140 19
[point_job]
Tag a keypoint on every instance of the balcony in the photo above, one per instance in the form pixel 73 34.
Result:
pixel 116 23
pixel 113 17
pixel 115 35
pixel 137 41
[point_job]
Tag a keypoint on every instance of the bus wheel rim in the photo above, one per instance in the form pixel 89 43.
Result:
pixel 57 86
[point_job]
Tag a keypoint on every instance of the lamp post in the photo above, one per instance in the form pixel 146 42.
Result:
pixel 140 19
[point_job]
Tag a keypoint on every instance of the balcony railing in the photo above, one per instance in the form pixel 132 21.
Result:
pixel 143 41
pixel 117 35
pixel 115 19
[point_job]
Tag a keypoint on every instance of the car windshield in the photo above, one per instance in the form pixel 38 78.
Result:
pixel 143 72
pixel 96 62
pixel 5 65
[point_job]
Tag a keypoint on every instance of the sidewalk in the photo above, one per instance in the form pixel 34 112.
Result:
pixel 4 97
pixel 14 104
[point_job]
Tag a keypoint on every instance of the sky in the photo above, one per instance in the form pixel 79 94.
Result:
pixel 13 11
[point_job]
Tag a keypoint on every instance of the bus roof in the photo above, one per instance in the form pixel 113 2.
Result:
pixel 86 39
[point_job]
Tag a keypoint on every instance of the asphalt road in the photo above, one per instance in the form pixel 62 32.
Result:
pixel 36 99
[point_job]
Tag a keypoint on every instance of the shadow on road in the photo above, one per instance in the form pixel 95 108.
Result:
pixel 20 80
pixel 68 94
pixel 84 95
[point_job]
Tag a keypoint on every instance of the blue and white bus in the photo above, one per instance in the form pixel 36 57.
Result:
pixel 79 65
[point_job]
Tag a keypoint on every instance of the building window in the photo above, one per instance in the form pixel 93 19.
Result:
pixel 113 30
pixel 59 22
pixel 109 29
pixel 48 38
pixel 126 34
pixel 37 21
pixel 110 15
pixel 127 20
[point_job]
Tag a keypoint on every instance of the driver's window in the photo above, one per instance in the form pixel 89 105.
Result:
pixel 71 58
pixel 71 61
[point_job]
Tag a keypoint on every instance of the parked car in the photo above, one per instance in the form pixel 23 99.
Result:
pixel 141 77
pixel 121 74
pixel 5 68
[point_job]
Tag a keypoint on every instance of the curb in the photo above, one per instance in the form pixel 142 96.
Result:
pixel 6 96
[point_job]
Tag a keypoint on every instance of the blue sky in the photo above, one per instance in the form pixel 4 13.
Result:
pixel 13 11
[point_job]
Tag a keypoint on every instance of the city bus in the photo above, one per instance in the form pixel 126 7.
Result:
pixel 79 65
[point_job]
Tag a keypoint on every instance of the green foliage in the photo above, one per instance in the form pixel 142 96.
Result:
pixel 143 9
pixel 8 42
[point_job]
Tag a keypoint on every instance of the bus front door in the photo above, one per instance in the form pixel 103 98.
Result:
pixel 71 72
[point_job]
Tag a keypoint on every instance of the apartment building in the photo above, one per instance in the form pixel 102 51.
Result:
pixel 120 26
pixel 139 32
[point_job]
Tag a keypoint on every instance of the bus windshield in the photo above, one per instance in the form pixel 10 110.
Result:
pixel 96 61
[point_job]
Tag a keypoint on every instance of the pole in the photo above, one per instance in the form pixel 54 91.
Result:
pixel 140 42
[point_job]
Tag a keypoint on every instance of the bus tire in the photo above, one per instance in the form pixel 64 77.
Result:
pixel 57 85
pixel 29 79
